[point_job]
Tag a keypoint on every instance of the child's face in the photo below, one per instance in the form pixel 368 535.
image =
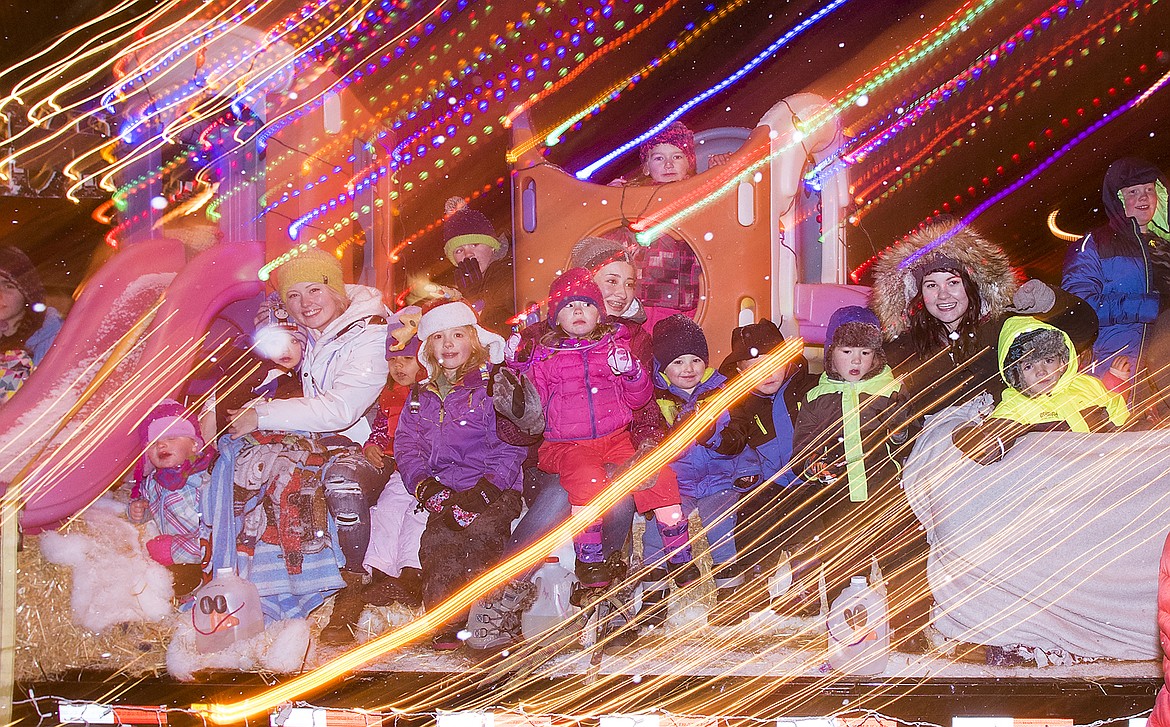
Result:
pixel 481 252
pixel 171 452
pixel 404 370
pixel 616 281
pixel 686 371
pixel 667 163
pixel 852 363
pixel 578 318
pixel 289 356
pixel 451 348
pixel 1040 374
pixel 770 385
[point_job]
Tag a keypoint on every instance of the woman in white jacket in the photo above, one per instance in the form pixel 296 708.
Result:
pixel 342 373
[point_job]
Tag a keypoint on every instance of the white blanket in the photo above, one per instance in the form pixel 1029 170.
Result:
pixel 1056 547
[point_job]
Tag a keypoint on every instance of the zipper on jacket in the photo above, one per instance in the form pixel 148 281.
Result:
pixel 589 393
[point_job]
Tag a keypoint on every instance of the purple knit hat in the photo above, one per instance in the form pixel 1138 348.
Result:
pixel 465 226
pixel 854 326
pixel 675 336
pixel 677 134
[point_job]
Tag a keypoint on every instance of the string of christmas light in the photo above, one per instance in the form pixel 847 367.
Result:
pixel 957 22
pixel 912 162
pixel 550 136
pixel 768 52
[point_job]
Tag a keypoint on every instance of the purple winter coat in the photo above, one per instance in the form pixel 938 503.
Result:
pixel 581 396
pixel 454 439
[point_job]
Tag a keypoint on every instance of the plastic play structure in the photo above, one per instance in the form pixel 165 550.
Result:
pixel 768 217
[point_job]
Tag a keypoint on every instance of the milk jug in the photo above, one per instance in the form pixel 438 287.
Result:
pixel 554 584
pixel 226 610
pixel 859 631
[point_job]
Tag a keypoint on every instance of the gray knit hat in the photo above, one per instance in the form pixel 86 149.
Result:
pixel 594 253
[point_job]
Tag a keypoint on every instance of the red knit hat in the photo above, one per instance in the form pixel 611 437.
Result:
pixel 574 284
pixel 677 134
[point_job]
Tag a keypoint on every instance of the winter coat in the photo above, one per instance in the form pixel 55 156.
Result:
pixel 390 404
pixel 647 428
pixel 582 398
pixel 1161 714
pixel 453 438
pixel 342 372
pixel 769 423
pixel 1111 269
pixel 1078 402
pixel 700 470
pixel 179 513
pixel 18 361
pixel 239 377
pixel 39 342
pixel 853 440
pixel 668 274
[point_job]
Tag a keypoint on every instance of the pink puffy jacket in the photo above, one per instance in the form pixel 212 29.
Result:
pixel 582 397
pixel 1161 715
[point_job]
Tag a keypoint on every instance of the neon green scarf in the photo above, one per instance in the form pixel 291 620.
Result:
pixel 883 384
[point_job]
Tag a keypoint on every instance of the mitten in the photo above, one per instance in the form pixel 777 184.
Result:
pixel 468 505
pixel 516 399
pixel 159 549
pixel 734 437
pixel 469 277
pixel 622 362
pixel 433 495
pixel 1034 296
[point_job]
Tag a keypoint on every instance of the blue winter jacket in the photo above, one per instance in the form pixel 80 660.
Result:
pixel 772 440
pixel 701 471
pixel 1110 269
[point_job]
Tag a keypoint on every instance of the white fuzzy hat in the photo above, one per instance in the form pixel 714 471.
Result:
pixel 453 315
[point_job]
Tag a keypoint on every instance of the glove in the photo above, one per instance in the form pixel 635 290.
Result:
pixel 469 277
pixel 623 363
pixel 1033 297
pixel 478 498
pixel 433 495
pixel 516 399
pixel 734 438
pixel 159 549
pixel 745 483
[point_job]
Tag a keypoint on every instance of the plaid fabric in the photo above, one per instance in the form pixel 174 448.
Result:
pixel 668 274
pixel 178 513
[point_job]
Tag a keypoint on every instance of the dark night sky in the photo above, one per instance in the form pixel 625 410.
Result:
pixel 61 236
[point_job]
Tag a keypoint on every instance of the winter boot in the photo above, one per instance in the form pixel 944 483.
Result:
pixel 683 574
pixel 653 613
pixel 347 609
pixel 732 604
pixel 494 621
pixel 802 598
pixel 386 590
pixel 615 627
pixel 592 575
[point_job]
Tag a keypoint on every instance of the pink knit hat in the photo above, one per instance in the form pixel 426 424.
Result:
pixel 677 134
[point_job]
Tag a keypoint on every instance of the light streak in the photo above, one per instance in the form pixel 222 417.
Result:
pixel 1056 231
pixel 679 439
pixel 768 52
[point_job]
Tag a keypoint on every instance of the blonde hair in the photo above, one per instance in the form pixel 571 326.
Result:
pixel 478 357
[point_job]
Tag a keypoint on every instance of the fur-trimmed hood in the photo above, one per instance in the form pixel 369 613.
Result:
pixel 895 284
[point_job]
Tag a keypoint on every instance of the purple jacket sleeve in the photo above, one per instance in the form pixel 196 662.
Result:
pixel 412 449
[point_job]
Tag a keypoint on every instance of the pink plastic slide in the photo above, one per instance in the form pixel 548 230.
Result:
pixel 66 459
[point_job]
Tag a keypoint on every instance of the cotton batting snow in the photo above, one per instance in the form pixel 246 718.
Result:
pixel 114 580
pixel 283 647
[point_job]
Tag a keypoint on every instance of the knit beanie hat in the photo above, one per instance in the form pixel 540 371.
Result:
pixel 465 226
pixel 594 253
pixel 16 268
pixel 677 134
pixel 274 328
pixel 1035 344
pixel 932 263
pixel 310 266
pixel 574 284
pixel 854 326
pixel 400 333
pixel 453 315
pixel 675 336
pixel 168 419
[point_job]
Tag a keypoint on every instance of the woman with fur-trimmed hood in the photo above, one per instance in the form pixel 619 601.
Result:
pixel 942 294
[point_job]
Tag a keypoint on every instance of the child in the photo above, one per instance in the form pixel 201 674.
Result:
pixel 768 519
pixel 590 384
pixel 264 367
pixel 396 522
pixel 483 264
pixel 707 474
pixel 842 441
pixel 1045 393
pixel 452 460
pixel 170 483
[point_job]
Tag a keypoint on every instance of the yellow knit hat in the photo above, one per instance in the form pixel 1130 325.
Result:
pixel 311 266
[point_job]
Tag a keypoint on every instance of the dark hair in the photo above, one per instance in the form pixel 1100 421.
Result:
pixel 30 323
pixel 928 333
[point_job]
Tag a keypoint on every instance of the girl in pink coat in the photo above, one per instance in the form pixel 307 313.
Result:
pixel 590 384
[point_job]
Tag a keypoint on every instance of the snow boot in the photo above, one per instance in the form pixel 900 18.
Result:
pixel 732 604
pixel 654 611
pixel 494 621
pixel 348 605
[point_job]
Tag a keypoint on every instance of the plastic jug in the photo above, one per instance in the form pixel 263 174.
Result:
pixel 859 630
pixel 226 610
pixel 554 584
